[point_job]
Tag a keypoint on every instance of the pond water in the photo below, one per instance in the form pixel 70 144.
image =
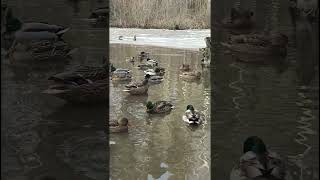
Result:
pixel 160 146
pixel 280 104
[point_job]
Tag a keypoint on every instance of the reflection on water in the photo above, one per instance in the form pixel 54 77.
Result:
pixel 160 146
pixel 279 106
pixel 41 135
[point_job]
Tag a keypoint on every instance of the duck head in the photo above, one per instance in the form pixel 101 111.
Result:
pixel 112 68
pixel 254 144
pixel 190 107
pixel 149 105
pixel 147 76
pixel 12 23
pixel 157 70
pixel 123 122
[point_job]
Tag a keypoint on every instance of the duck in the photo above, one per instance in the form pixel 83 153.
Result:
pixel 143 55
pixel 134 38
pixel 157 71
pixel 192 116
pixel 159 107
pixel 152 62
pixel 119 126
pixel 43 50
pixel 80 91
pixel 257 162
pixel 138 88
pixel 13 24
pixel 191 75
pixel 185 68
pixel 131 59
pixel 259 47
pixel 83 74
pixel 121 75
pixel 240 21
pixel 120 38
pixel 145 66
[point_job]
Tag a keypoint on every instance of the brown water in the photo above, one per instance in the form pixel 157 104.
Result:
pixel 277 103
pixel 42 135
pixel 158 146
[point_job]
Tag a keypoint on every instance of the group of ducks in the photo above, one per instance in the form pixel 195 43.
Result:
pixel 248 46
pixel 41 40
pixel 153 75
pixel 82 85
pixel 256 162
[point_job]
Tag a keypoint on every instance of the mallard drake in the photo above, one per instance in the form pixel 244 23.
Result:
pixel 152 62
pixel 80 91
pixel 193 75
pixel 157 71
pixel 257 47
pixel 138 88
pixel 159 107
pixel 119 126
pixel 121 75
pixel 192 117
pixel 87 73
pixel 185 68
pixel 13 24
pixel 259 163
pixel 239 21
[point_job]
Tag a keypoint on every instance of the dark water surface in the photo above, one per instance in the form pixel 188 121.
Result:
pixel 42 135
pixel 278 104
pixel 160 146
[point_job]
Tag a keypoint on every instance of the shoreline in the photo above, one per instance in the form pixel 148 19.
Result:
pixel 190 39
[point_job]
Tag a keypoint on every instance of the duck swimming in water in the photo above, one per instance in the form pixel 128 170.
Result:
pixel 159 107
pixel 192 117
pixel 257 47
pixel 138 88
pixel 259 163
pixel 119 126
pixel 185 68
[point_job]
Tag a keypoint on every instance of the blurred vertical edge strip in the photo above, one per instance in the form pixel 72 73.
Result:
pixel 108 90
pixel 212 82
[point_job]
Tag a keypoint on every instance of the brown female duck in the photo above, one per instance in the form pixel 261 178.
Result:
pixel 119 126
pixel 80 91
pixel 257 47
pixel 86 84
